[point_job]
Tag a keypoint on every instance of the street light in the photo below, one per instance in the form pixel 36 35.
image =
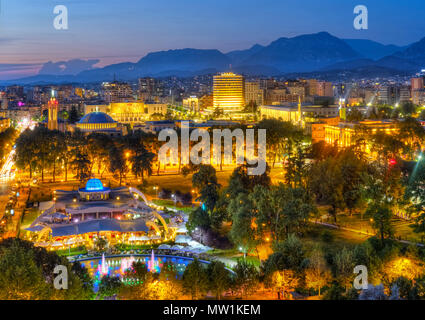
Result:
pixel 243 251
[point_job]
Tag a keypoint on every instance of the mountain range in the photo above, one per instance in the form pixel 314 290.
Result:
pixel 312 53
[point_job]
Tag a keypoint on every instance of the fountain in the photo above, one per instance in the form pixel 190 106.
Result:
pixel 126 264
pixel 152 264
pixel 103 267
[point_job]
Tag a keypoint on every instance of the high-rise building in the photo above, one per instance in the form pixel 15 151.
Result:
pixel 324 89
pixel 311 87
pixel 3 101
pixel 117 92
pixel 405 94
pixel 15 92
pixel 389 95
pixel 253 93
pixel 228 91
pixel 150 88
pixel 417 83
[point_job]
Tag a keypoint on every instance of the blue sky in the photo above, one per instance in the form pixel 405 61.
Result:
pixel 125 30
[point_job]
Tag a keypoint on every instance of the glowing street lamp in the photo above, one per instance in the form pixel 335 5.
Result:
pixel 243 251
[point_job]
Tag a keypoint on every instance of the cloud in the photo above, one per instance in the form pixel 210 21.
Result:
pixel 71 67
pixel 15 71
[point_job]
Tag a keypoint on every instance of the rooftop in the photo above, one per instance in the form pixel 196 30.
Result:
pixel 96 117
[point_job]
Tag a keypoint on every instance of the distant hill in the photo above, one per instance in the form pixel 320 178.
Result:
pixel 238 56
pixel 184 59
pixel 303 53
pixel 415 53
pixel 371 49
pixel 312 53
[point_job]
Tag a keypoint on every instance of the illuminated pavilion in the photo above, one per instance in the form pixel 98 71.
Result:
pixel 122 216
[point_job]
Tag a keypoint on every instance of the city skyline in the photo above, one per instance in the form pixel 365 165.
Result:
pixel 29 39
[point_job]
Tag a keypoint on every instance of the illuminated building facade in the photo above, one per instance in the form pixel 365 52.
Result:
pixel 128 112
pixel 317 129
pixel 4 124
pixel 192 103
pixel 344 134
pixel 229 91
pixel 291 113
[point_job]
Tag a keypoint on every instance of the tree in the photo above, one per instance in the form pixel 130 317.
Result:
pixel 382 216
pixel 101 244
pixel 73 115
pixel 281 209
pixel 142 163
pixel 343 262
pixel 204 176
pixel 21 278
pixel 195 280
pixel 415 193
pixel 281 138
pixel 28 273
pixel 317 274
pixel 218 277
pixel 412 134
pixel 81 164
pixel 198 218
pixel 109 286
pixel 86 281
pixel 243 233
pixel 283 282
pixel 117 162
pixel 246 279
pixel 205 180
pixel 355 115
pixel 327 184
pixel 296 166
pixel 240 181
pixel 407 109
pixel 57 149
pixel 25 150
pixel 42 137
pixel 290 253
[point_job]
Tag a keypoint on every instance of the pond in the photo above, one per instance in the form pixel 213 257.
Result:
pixel 117 265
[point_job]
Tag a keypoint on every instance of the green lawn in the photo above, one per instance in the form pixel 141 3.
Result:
pixel 29 217
pixel 340 238
pixel 184 184
pixel 170 204
pixel 402 227
pixel 72 251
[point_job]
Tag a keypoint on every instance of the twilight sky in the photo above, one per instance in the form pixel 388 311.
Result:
pixel 125 30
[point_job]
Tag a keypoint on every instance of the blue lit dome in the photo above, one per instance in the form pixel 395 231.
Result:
pixel 94 185
pixel 96 118
pixel 94 190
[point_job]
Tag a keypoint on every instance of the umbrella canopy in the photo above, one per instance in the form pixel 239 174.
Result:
pixel 183 239
pixel 59 215
pixel 164 246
